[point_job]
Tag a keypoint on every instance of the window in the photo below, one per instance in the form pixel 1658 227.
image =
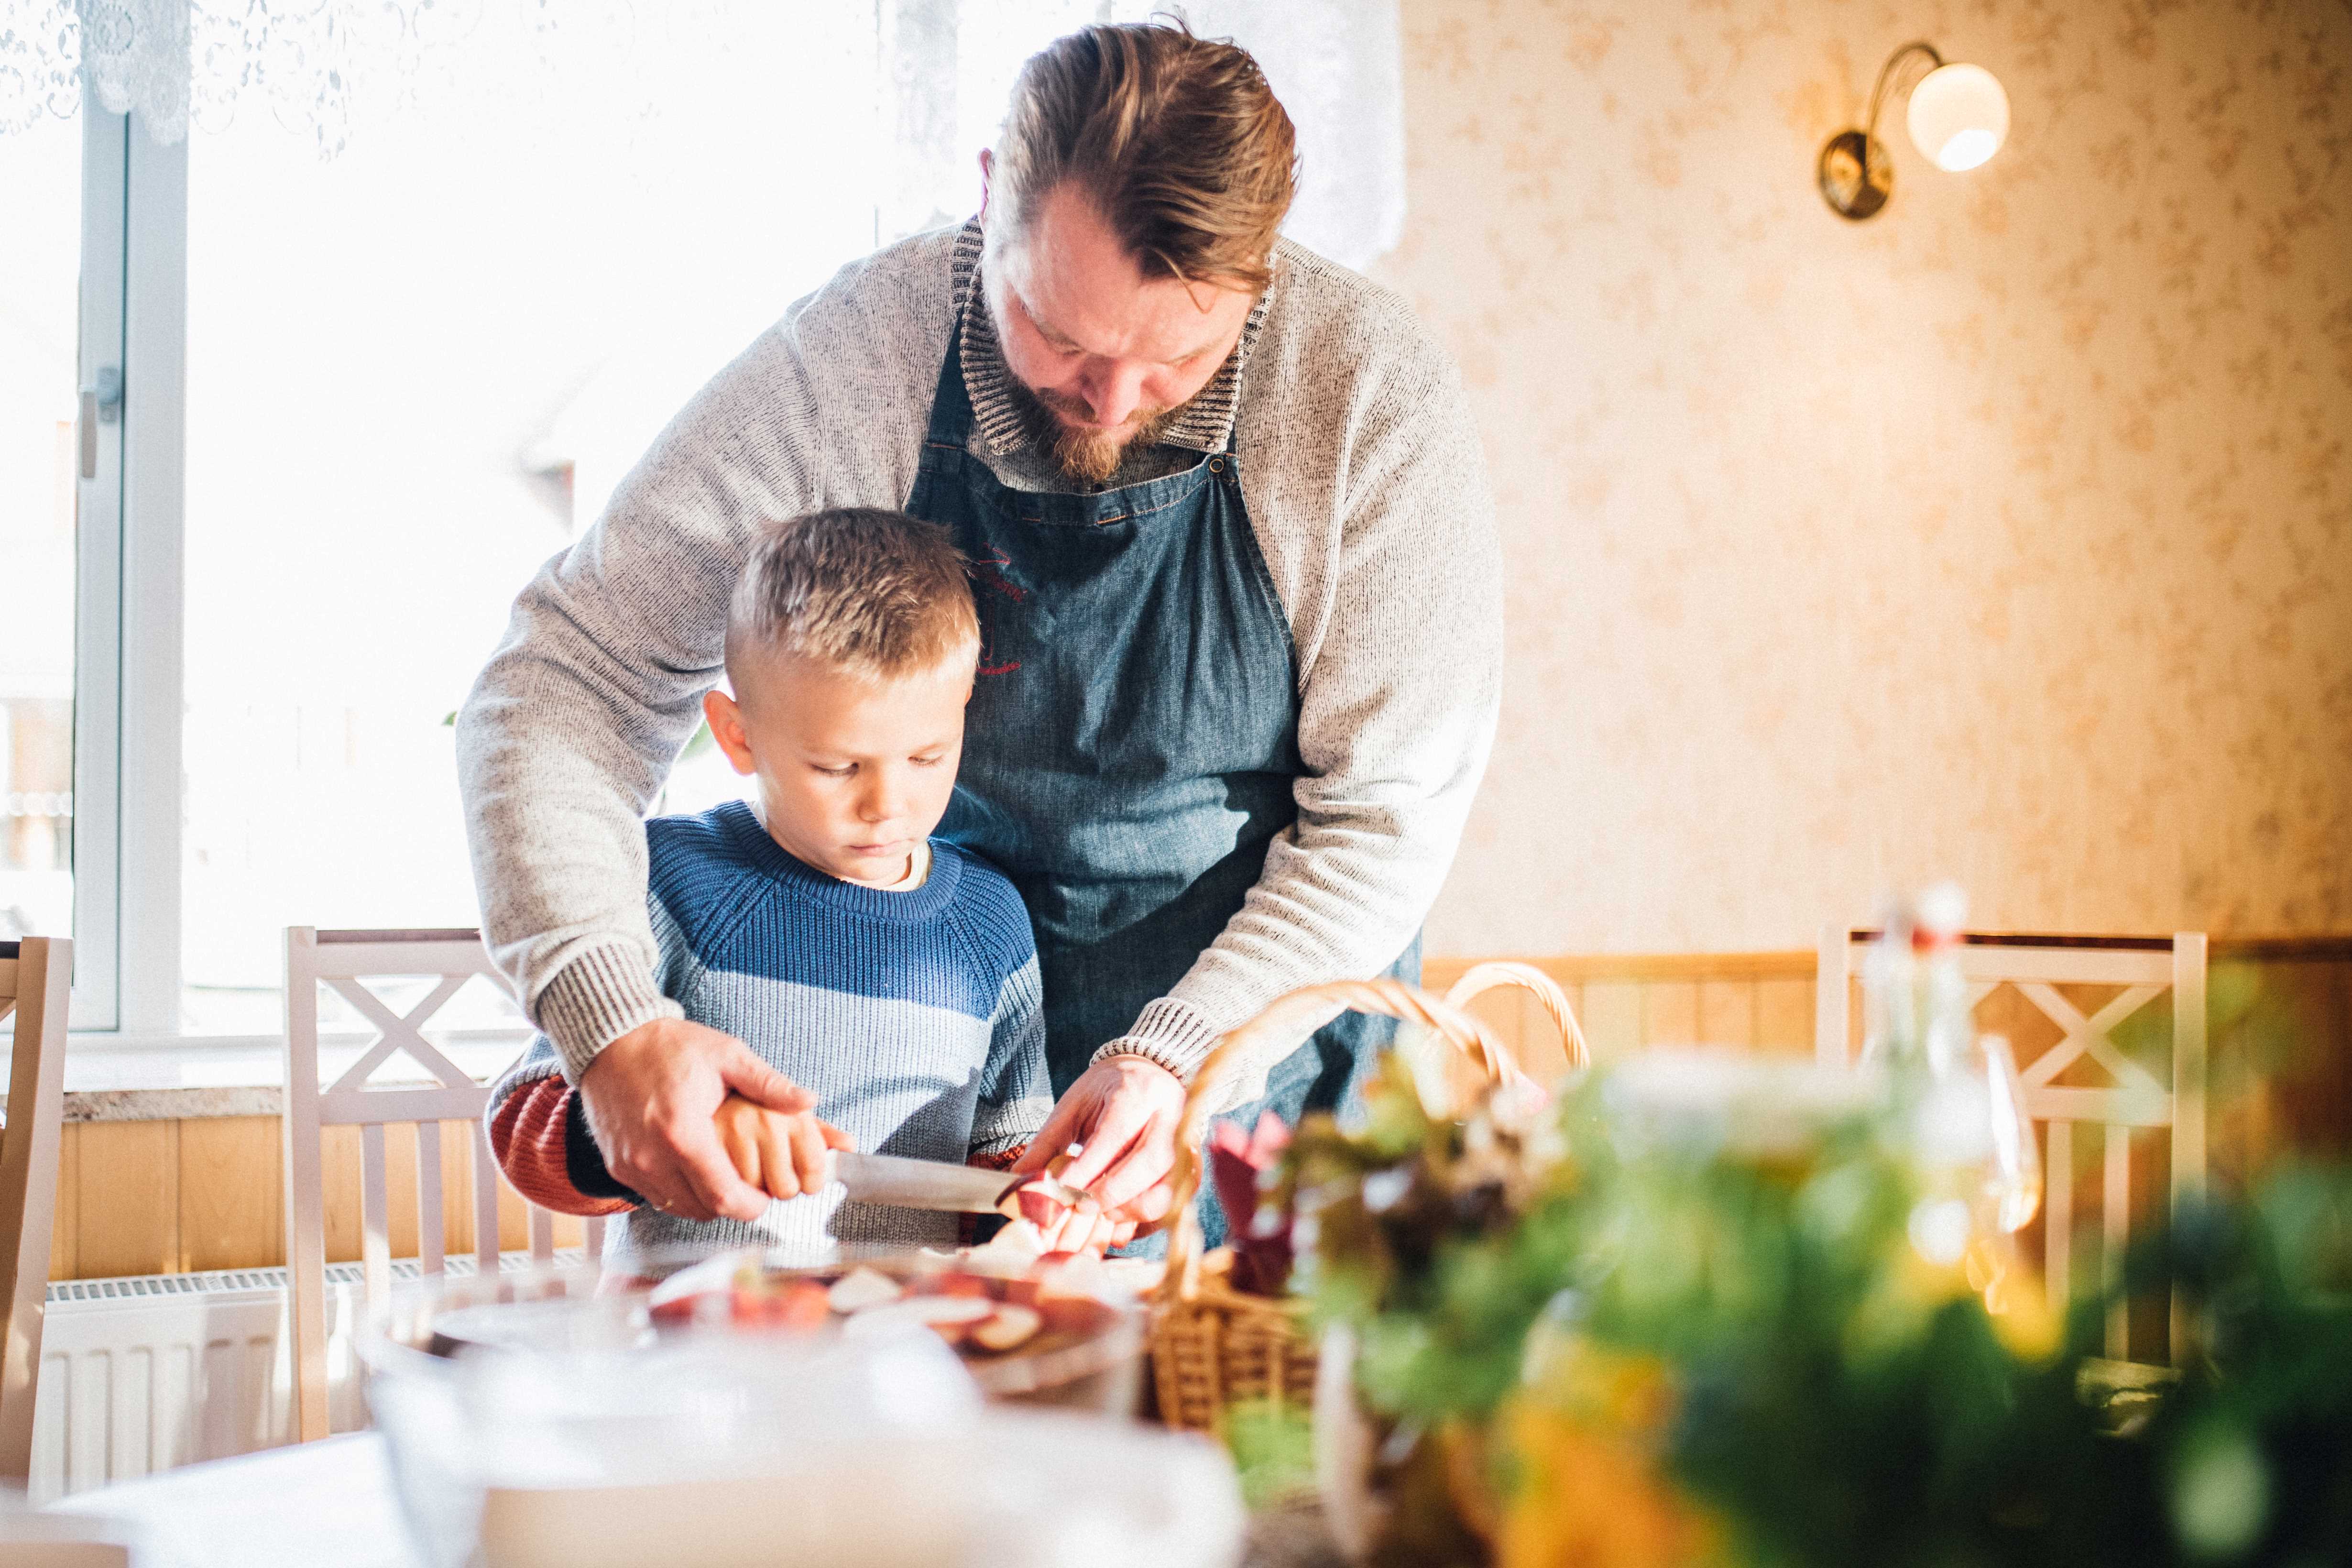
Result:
pixel 386 340
pixel 416 371
pixel 63 279
pixel 40 460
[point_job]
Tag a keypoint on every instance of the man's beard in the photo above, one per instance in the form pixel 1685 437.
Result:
pixel 1088 456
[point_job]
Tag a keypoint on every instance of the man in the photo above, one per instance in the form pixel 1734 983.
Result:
pixel 1238 587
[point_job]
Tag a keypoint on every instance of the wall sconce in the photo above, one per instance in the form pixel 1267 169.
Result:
pixel 1958 117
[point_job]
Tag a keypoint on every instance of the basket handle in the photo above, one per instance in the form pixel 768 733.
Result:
pixel 1286 1018
pixel 1484 978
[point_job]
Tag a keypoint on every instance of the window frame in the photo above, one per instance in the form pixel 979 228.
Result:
pixel 128 586
pixel 98 566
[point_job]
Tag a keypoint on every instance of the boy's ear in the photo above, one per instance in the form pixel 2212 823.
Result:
pixel 726 721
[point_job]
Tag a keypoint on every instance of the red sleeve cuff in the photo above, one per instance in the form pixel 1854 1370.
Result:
pixel 529 1135
pixel 1004 1159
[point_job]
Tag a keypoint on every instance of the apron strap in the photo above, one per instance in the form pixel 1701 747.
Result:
pixel 951 418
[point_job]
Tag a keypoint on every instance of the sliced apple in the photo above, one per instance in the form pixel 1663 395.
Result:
pixel 1072 1314
pixel 804 1306
pixel 918 1312
pixel 1071 1273
pixel 1038 1205
pixel 862 1287
pixel 1005 1329
pixel 1010 1251
pixel 954 1282
pixel 798 1306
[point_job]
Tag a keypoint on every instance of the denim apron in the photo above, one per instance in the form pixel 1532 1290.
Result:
pixel 1132 740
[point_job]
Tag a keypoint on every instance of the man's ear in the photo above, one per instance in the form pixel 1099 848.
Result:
pixel 987 183
pixel 726 721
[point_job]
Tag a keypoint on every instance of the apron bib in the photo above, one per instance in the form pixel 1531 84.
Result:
pixel 1132 740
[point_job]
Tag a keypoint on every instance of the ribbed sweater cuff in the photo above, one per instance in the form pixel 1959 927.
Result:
pixel 594 1000
pixel 1171 1033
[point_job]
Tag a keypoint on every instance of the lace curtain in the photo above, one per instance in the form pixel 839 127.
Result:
pixel 311 64
pixel 332 69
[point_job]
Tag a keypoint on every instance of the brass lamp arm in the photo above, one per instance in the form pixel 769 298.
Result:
pixel 1886 74
pixel 1854 173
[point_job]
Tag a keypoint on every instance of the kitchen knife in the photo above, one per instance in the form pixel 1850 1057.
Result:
pixel 931 1184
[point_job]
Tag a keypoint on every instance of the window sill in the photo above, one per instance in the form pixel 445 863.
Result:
pixel 112 1078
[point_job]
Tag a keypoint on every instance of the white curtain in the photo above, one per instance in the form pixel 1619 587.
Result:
pixel 943 69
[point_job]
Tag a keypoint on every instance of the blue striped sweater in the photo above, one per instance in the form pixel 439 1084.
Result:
pixel 913 1015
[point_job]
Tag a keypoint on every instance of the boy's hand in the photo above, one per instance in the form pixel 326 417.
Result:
pixel 780 1153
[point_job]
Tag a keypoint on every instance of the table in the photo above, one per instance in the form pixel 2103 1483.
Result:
pixel 324 1502
pixel 331 1502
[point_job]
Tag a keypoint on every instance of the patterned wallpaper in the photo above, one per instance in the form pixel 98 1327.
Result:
pixel 2007 536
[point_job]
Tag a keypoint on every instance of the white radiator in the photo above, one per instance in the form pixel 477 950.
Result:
pixel 146 1372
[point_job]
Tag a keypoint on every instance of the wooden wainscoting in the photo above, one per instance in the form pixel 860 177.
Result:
pixel 1756 1001
pixel 140 1197
pixel 160 1197
pixel 2279 1023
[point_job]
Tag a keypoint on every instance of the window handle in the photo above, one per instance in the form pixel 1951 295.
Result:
pixel 101 403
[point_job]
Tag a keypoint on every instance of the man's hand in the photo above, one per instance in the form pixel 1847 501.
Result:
pixel 1124 1111
pixel 652 1097
pixel 782 1155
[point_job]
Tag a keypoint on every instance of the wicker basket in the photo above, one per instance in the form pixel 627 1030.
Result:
pixel 1484 978
pixel 1214 1346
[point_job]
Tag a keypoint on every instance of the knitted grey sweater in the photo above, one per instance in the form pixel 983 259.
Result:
pixel 1365 488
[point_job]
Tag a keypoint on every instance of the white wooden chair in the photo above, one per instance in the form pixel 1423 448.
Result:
pixel 2145 967
pixel 36 974
pixel 343 961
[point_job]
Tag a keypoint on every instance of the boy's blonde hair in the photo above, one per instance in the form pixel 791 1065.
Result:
pixel 872 591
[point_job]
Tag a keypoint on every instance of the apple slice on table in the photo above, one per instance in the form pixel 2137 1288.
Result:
pixel 945 1314
pixel 862 1287
pixel 800 1305
pixel 1007 1328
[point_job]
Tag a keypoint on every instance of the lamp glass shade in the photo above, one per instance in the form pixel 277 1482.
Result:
pixel 1960 116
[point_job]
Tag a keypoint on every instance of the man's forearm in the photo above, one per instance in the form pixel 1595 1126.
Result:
pixel 555 769
pixel 1322 910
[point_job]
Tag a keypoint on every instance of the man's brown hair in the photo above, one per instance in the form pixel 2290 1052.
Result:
pixel 876 593
pixel 1177 141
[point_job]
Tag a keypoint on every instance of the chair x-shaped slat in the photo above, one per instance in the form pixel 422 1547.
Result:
pixel 2090 1034
pixel 400 1033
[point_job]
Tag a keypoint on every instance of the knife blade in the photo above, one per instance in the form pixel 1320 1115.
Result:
pixel 906 1184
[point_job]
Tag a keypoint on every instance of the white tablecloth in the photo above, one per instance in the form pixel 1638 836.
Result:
pixel 329 1502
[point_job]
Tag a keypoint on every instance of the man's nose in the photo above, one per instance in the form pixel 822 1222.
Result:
pixel 1115 393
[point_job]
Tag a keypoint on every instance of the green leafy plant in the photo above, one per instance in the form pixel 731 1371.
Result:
pixel 1755 1335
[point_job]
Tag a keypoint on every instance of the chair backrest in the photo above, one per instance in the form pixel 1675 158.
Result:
pixel 343 961
pixel 2144 968
pixel 36 974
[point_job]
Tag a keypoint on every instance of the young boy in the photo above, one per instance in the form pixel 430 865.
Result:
pixel 893 977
